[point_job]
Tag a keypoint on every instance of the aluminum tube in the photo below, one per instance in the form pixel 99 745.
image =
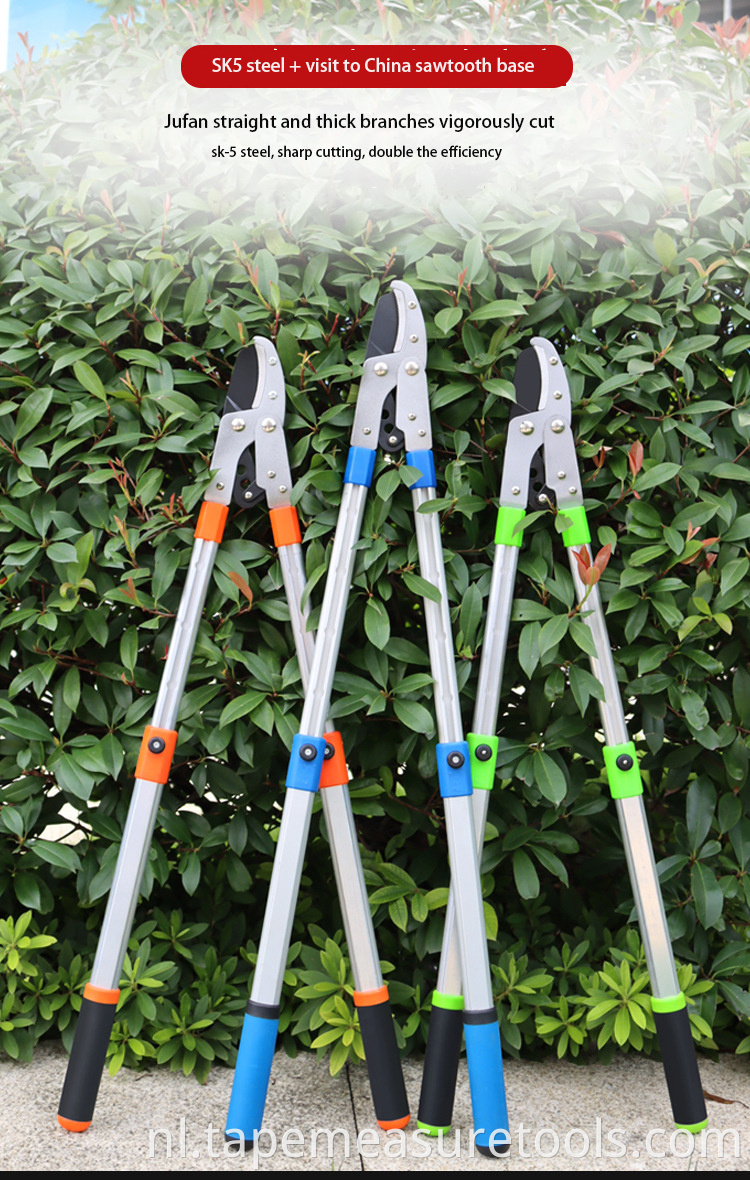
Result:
pixel 438 620
pixel 293 573
pixel 449 971
pixel 631 813
pixel 495 640
pixel 333 611
pixel 186 625
pixel 276 934
pixel 144 803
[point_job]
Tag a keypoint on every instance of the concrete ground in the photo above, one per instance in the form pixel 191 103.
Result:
pixel 563 1117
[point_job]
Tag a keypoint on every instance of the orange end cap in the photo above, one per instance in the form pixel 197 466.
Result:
pixel 101 995
pixel 285 526
pixel 72 1125
pixel 378 995
pixel 211 520
pixel 394 1124
pixel 157 751
pixel 334 772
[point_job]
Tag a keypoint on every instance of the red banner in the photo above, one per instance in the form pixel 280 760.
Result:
pixel 408 66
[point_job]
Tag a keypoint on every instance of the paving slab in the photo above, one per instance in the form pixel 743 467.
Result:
pixel 563 1117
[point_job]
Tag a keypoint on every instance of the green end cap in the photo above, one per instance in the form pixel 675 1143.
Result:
pixel 482 769
pixel 578 531
pixel 507 520
pixel 695 1128
pixel 443 1000
pixel 669 1003
pixel 432 1130
pixel 625 778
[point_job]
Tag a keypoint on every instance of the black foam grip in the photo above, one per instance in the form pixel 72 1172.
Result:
pixel 680 1067
pixel 86 1063
pixel 441 1067
pixel 383 1062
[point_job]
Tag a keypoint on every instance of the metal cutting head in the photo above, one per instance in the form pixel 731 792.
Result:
pixel 541 466
pixel 393 409
pixel 250 459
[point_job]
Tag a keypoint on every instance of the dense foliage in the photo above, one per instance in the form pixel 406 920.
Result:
pixel 121 311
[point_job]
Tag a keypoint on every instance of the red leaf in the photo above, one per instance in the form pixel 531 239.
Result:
pixel 635 457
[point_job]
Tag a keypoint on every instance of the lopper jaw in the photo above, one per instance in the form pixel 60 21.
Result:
pixel 393 409
pixel 541 465
pixel 250 460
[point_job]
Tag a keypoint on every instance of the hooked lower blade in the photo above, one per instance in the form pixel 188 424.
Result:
pixel 384 329
pixel 243 384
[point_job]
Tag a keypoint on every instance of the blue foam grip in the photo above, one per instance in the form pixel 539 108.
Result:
pixel 360 465
pixel 425 461
pixel 484 1059
pixel 304 773
pixel 251 1076
pixel 454 780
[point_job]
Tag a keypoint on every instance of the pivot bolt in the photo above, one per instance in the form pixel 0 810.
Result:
pixel 624 762
pixel 248 495
pixel 269 425
pixel 412 368
pixel 308 753
pixel 557 425
pixel 380 369
pixel 238 424
pixel 455 759
pixel 393 440
pixel 483 753
pixel 157 745
pixel 527 427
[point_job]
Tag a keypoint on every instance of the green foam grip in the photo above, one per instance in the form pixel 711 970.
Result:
pixel 482 769
pixel 668 1003
pixel 507 520
pixel 624 782
pixel 578 531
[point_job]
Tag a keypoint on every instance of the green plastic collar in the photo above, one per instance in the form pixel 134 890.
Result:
pixel 578 532
pixel 624 781
pixel 669 1003
pixel 507 519
pixel 430 1130
pixel 482 770
pixel 443 1000
pixel 694 1128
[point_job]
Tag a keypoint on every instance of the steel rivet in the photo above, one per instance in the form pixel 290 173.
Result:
pixel 272 360
pixel 421 433
pixel 527 427
pixel 516 491
pixel 220 487
pixel 282 487
pixel 366 430
pixel 273 395
pixel 412 368
pixel 269 425
pixel 412 417
pixel 557 395
pixel 412 303
pixel 561 475
pixel 238 424
pixel 380 369
pixel 414 339
pixel 558 425
pixel 572 491
pixel 553 360
pixel 272 475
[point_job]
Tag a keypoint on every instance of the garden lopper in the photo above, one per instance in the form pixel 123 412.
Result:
pixel 540 471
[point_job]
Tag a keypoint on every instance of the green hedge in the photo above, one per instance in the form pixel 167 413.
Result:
pixel 122 311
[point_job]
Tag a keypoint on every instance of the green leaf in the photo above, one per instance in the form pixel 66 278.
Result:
pixel 377 623
pixel 707 894
pixel 414 716
pixel 471 614
pixel 608 310
pixel 421 587
pixel 89 380
pixel 525 875
pixel 549 777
